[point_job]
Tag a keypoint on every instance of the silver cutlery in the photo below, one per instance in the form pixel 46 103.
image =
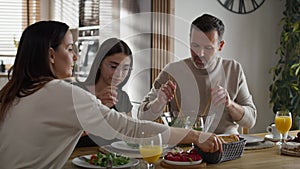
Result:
pixel 83 158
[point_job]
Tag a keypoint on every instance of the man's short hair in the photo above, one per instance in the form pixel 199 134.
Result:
pixel 207 23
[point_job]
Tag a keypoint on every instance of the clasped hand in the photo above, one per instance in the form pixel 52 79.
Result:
pixel 209 142
pixel 166 92
pixel 220 96
pixel 108 96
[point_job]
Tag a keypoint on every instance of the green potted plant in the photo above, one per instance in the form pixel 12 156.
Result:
pixel 284 90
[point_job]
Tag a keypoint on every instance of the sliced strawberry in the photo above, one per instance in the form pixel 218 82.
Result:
pixel 169 156
pixel 193 151
pixel 176 158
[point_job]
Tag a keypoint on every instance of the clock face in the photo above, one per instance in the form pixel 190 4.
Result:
pixel 241 6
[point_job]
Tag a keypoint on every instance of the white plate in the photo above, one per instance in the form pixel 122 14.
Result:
pixel 251 139
pixel 82 163
pixel 291 153
pixel 122 145
pixel 270 137
pixel 183 162
pixel 290 148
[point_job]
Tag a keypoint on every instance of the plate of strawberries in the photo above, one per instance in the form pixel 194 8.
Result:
pixel 183 158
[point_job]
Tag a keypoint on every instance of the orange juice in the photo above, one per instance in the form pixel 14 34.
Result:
pixel 283 123
pixel 151 153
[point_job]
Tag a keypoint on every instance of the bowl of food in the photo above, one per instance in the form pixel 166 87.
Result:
pixel 233 148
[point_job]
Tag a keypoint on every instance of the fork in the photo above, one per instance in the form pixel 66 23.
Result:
pixel 83 158
pixel 109 163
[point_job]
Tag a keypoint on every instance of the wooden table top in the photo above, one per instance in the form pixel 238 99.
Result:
pixel 262 158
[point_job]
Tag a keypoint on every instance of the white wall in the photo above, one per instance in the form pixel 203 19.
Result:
pixel 251 39
pixel 45 8
pixel 135 29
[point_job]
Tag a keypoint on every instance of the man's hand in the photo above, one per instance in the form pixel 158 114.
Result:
pixel 166 92
pixel 164 95
pixel 220 96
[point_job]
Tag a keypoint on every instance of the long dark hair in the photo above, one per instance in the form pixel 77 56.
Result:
pixel 31 68
pixel 108 47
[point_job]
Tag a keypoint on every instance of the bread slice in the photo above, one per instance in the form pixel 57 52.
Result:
pixel 229 138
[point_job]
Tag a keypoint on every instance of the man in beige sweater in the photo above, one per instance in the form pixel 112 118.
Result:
pixel 205 84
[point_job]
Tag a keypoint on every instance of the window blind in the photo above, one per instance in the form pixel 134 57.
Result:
pixel 66 11
pixel 89 13
pixel 109 12
pixel 84 13
pixel 15 16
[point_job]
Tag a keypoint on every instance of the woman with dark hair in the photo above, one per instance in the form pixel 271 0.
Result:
pixel 42 117
pixel 109 72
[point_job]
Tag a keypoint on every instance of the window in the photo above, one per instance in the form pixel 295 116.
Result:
pixel 89 13
pixel 93 12
pixel 110 12
pixel 15 16
pixel 66 11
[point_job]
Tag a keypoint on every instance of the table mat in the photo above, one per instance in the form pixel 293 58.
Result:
pixel 259 145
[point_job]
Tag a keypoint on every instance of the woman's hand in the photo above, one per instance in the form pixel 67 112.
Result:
pixel 108 96
pixel 209 142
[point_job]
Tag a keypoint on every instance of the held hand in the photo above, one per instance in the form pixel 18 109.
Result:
pixel 166 92
pixel 220 96
pixel 108 96
pixel 209 142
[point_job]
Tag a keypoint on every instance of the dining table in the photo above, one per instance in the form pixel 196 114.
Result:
pixel 259 157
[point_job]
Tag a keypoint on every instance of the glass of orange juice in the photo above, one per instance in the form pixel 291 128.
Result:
pixel 283 123
pixel 151 149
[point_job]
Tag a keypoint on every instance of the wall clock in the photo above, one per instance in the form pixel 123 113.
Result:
pixel 241 6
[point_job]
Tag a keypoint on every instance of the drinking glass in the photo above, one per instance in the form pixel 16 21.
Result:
pixel 151 149
pixel 283 123
pixel 199 124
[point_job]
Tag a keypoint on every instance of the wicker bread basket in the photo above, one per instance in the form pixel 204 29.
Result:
pixel 231 151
